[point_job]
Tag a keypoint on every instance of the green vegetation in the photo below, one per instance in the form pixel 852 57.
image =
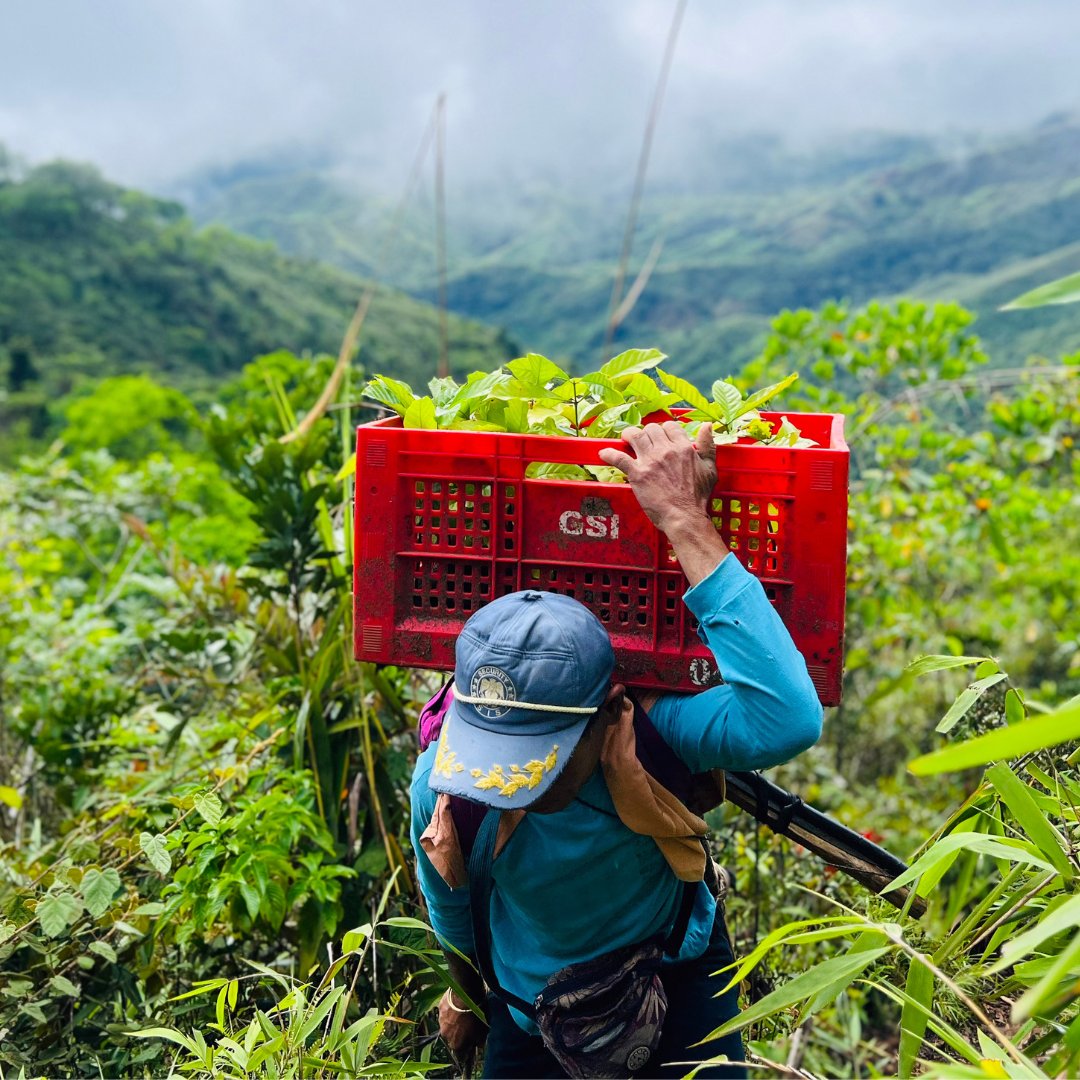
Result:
pixel 203 798
pixel 532 395
pixel 98 280
pixel 747 231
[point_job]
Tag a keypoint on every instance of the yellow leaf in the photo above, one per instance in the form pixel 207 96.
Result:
pixel 348 469
pixel 10 797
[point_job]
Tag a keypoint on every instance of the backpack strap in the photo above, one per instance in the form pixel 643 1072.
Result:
pixel 656 756
pixel 480 860
pixel 467 816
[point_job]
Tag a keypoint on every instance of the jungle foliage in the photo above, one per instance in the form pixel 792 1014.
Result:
pixel 203 810
pixel 96 279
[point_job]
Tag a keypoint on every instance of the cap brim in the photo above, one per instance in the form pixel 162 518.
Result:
pixel 508 772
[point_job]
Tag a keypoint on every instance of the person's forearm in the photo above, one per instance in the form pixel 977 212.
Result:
pixel 698 546
pixel 467 977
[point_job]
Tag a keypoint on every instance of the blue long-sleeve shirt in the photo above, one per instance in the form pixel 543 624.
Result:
pixel 575 884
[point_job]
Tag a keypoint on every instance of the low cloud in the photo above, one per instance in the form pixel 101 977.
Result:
pixel 151 90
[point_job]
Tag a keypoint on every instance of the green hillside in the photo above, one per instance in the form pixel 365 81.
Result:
pixel 98 280
pixel 976 221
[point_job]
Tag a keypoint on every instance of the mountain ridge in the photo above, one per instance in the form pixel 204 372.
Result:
pixel 936 219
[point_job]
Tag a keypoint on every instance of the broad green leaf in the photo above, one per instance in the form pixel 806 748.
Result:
pixel 152 908
pixel 1014 707
pixel 209 808
pixel 392 393
pixel 353 939
pixel 606 474
pixel 420 414
pixel 1019 799
pixel 274 906
pixel 153 847
pixel 104 950
pixel 443 391
pixel 610 421
pixel 844 967
pixel 98 887
pixel 959 708
pixel 925 664
pixel 57 911
pixel 539 413
pixel 689 393
pixel 534 372
pixel 474 425
pixel 756 400
pixel 252 899
pixel 787 434
pixel 516 416
pixel 580 386
pixel 632 362
pixel 643 388
pixel 1017 851
pixel 1036 733
pixel 35 1012
pixel 553 425
pixel 63 985
pixel 729 401
pixel 914 1015
pixel 586 413
pixel 1065 290
pixel 479 386
pixel 551 470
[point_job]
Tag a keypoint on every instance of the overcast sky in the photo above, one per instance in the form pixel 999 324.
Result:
pixel 151 90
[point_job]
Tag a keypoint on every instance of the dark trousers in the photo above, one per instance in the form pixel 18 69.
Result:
pixel 693 1012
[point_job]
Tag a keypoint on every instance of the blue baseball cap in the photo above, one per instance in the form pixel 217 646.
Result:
pixel 532 668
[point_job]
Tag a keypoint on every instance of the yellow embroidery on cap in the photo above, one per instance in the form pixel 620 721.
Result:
pixel 446 762
pixel 530 776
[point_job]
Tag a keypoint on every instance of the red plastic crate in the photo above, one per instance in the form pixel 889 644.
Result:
pixel 446 521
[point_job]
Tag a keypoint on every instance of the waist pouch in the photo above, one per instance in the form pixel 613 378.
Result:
pixel 603 1017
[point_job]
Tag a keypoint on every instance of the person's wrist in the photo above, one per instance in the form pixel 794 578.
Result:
pixel 448 997
pixel 684 522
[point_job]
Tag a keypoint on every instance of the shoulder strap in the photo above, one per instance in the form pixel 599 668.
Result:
pixel 700 792
pixel 657 757
pixel 468 816
pixel 483 854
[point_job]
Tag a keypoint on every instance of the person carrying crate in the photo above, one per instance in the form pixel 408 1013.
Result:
pixel 553 855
